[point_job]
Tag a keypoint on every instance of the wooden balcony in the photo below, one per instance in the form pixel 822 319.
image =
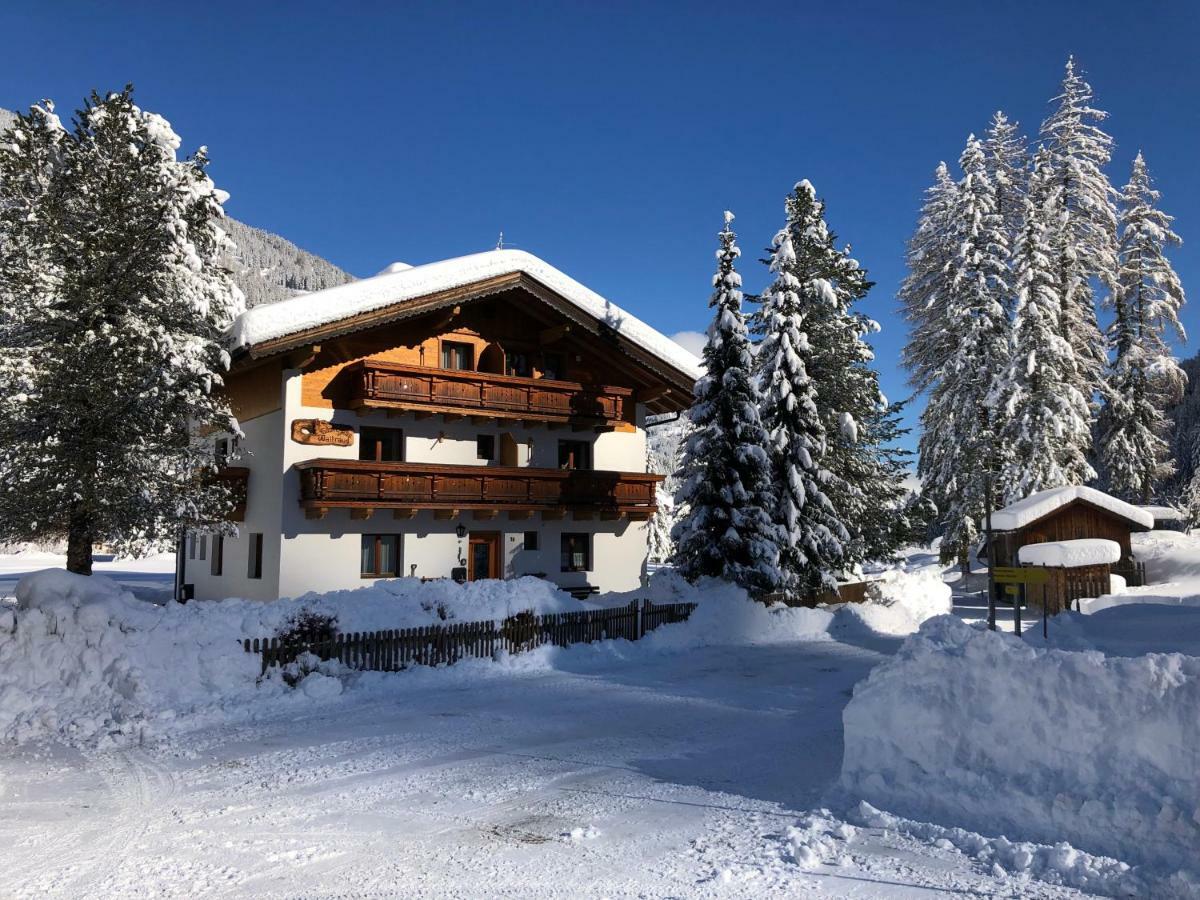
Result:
pixel 404 488
pixel 376 384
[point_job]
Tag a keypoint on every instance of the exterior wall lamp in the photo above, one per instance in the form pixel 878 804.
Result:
pixel 461 530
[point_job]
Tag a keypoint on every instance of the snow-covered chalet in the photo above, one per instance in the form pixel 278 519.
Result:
pixel 479 417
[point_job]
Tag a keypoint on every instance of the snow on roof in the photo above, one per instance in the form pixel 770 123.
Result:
pixel 1070 554
pixel 1043 503
pixel 277 320
pixel 1165 513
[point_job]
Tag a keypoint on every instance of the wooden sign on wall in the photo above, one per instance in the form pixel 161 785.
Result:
pixel 320 432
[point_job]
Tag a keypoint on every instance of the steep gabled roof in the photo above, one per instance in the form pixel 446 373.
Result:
pixel 1037 506
pixel 302 317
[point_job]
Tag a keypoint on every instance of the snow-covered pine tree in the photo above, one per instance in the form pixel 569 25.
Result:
pixel 925 294
pixel 1004 150
pixel 1079 150
pixel 727 529
pixel 1047 421
pixel 1144 378
pixel 959 430
pixel 798 299
pixel 111 336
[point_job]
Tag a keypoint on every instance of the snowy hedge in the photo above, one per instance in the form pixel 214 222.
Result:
pixel 982 730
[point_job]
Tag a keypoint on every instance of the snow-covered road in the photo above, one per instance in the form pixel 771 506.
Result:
pixel 654 776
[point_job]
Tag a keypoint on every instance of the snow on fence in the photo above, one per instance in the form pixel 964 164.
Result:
pixel 849 592
pixel 398 648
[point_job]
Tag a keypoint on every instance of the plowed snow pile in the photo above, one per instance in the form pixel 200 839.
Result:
pixel 83 660
pixel 981 730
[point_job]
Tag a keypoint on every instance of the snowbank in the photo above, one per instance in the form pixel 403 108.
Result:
pixel 981 730
pixel 1131 629
pixel 1070 554
pixel 897 602
pixel 84 660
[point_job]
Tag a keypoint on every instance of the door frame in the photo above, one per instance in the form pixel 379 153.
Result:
pixel 492 539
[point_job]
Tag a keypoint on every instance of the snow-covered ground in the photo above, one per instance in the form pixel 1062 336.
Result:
pixel 151 578
pixel 701 761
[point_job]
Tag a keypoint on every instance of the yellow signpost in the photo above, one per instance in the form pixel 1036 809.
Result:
pixel 1021 575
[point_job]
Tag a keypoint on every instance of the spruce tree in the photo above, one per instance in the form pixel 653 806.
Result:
pixel 959 445
pixel 1144 378
pixel 1078 151
pixel 726 529
pixel 1047 420
pixel 1007 160
pixel 925 294
pixel 812 533
pixel 114 309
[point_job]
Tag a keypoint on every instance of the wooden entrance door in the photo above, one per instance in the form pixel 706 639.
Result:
pixel 483 555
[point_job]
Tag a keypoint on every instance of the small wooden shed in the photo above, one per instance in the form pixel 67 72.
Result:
pixel 1068 514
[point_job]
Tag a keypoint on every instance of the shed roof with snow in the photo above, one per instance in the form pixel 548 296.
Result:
pixel 1036 507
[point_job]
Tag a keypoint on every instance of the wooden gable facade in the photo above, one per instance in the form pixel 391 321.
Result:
pixel 1074 520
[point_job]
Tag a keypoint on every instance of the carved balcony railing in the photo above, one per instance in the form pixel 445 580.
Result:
pixel 377 384
pixel 408 487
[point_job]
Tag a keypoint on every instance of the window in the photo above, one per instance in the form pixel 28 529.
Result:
pixel 531 540
pixel 552 366
pixel 576 553
pixel 203 546
pixel 191 546
pixel 574 455
pixel 485 446
pixel 456 355
pixel 218 555
pixel 381 444
pixel 380 556
pixel 517 364
pixel 254 564
pixel 222 451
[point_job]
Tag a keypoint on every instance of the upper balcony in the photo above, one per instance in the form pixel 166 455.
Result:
pixel 405 488
pixel 376 384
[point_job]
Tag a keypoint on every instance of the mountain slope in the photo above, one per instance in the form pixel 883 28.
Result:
pixel 266 266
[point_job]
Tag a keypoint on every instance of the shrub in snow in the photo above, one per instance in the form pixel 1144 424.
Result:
pixel 981 730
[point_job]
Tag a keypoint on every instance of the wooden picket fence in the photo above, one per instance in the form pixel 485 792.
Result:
pixel 431 645
pixel 847 592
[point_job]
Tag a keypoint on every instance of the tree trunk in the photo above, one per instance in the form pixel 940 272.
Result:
pixel 79 542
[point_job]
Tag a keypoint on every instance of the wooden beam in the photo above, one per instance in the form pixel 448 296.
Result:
pixel 422 415
pixel 582 515
pixel 484 514
pixel 650 394
pixel 638 515
pixel 403 513
pixel 609 515
pixel 517 515
pixel 444 514
pixel 361 512
pixel 451 417
pixel 315 512
pixel 304 357
pixel 621 427
pixel 480 420
pixel 553 335
pixel 552 514
pixel 445 320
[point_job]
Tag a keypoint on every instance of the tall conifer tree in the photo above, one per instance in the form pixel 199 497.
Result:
pixel 959 430
pixel 727 529
pixel 1046 419
pixel 1078 152
pixel 1144 378
pixel 114 308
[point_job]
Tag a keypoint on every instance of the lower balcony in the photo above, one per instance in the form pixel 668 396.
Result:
pixel 404 488
pixel 238 479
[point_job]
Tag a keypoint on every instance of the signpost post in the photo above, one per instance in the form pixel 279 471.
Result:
pixel 991 588
pixel 1017 580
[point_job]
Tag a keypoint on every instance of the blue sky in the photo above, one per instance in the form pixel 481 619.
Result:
pixel 608 137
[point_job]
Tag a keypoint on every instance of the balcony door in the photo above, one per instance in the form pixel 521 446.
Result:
pixel 483 555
